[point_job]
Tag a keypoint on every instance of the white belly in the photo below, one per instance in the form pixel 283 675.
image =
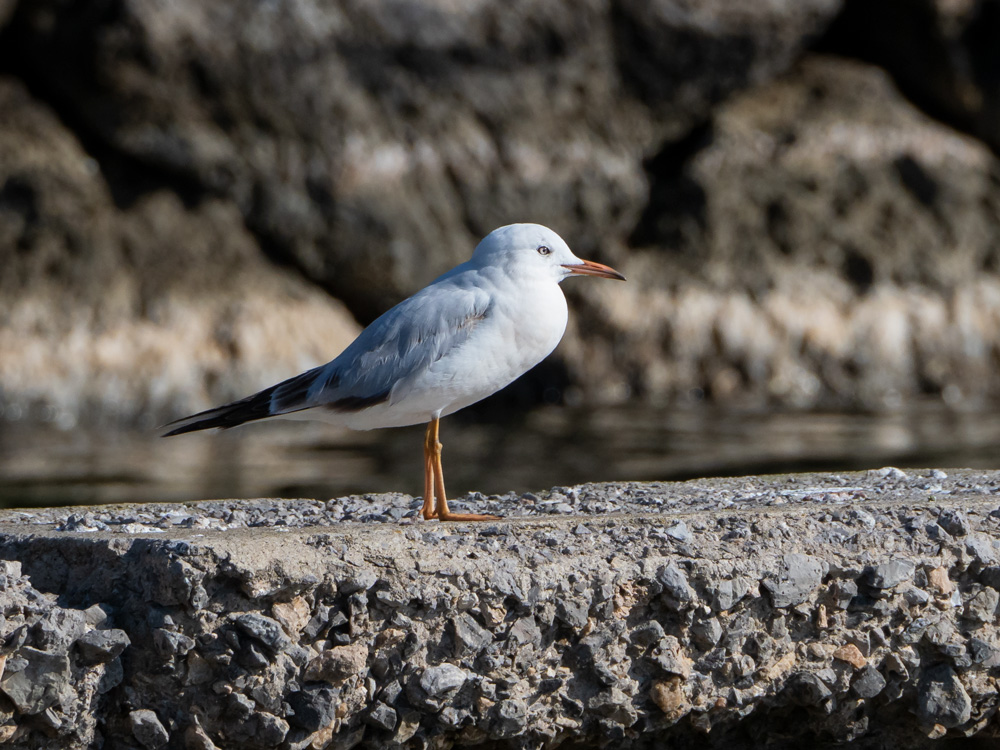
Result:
pixel 512 339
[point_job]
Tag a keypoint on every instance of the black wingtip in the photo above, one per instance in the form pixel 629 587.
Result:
pixel 249 409
pixel 186 425
pixel 193 427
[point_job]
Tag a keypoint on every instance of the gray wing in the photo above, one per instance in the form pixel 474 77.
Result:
pixel 398 346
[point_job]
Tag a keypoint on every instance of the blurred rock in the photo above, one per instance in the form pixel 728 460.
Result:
pixel 368 145
pixel 820 242
pixel 372 143
pixel 121 311
pixel 942 53
pixel 794 230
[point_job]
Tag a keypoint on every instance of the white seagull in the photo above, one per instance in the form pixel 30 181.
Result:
pixel 468 334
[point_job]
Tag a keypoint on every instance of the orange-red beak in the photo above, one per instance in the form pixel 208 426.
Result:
pixel 590 268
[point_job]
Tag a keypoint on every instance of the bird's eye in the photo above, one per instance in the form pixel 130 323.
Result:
pixel 544 250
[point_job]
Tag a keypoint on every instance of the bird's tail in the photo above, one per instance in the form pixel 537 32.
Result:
pixel 283 398
pixel 249 409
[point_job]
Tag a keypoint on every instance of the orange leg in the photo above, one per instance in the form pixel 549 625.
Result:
pixel 434 474
pixel 430 437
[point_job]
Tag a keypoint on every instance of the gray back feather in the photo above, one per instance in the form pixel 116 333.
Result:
pixel 383 361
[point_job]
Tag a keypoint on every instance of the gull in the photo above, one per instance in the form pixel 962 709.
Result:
pixel 465 336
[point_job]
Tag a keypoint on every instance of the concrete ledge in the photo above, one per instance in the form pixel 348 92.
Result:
pixel 711 613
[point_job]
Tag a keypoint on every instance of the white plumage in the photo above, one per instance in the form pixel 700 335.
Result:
pixel 466 335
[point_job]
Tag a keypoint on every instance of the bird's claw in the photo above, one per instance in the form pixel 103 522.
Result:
pixel 467 517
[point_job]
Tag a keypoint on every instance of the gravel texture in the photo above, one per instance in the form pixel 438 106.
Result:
pixel 716 613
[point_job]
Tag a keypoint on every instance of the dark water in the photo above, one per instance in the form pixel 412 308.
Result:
pixel 42 465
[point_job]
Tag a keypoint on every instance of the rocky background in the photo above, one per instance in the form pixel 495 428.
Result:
pixel 197 199
pixel 784 612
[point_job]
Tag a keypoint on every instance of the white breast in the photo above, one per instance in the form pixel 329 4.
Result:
pixel 523 327
pixel 524 324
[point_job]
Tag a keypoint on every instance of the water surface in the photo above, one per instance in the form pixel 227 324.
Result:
pixel 43 465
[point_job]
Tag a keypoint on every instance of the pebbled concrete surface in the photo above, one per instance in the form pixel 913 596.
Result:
pixel 748 612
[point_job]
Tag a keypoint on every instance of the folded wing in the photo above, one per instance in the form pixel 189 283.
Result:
pixel 378 365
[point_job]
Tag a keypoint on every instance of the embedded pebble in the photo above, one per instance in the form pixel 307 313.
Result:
pixel 441 679
pixel 146 728
pixel 942 698
pixel 868 682
pixel 99 646
pixel 889 575
pixel 799 575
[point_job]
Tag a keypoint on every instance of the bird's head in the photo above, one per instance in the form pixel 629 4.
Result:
pixel 537 251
